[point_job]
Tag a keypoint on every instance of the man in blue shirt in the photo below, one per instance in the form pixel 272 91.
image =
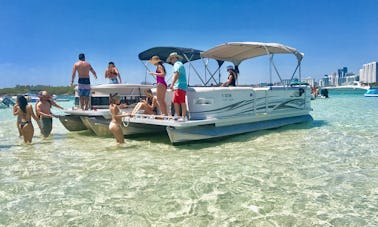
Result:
pixel 179 85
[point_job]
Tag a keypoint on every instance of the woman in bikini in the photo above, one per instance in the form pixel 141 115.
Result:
pixel 25 112
pixel 15 109
pixel 161 87
pixel 149 105
pixel 112 74
pixel 115 124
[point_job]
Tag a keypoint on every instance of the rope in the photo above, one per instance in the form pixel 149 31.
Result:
pixel 127 120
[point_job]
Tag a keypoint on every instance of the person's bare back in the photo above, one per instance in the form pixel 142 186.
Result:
pixel 82 67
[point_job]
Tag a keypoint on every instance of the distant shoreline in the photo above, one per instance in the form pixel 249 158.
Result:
pixel 347 86
pixel 22 89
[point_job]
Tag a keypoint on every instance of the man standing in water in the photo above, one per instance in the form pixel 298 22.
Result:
pixel 43 110
pixel 84 85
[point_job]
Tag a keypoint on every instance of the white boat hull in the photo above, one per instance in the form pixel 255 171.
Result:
pixel 100 126
pixel 72 122
pixel 218 112
pixel 185 134
pixel 76 119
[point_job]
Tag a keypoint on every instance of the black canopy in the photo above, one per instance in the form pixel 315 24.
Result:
pixel 163 53
pixel 188 54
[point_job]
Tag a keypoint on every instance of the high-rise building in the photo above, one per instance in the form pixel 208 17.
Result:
pixel 324 82
pixel 333 79
pixel 345 71
pixel 310 81
pixel 369 73
pixel 342 72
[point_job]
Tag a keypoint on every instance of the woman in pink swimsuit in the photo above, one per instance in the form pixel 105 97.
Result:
pixel 161 87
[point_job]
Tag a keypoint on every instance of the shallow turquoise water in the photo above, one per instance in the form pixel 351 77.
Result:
pixel 323 173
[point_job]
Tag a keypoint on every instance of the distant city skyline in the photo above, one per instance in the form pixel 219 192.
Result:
pixel 42 39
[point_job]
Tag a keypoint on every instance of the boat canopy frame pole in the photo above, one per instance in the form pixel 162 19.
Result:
pixel 275 69
pixel 298 67
pixel 211 74
pixel 194 69
pixel 270 69
pixel 270 64
pixel 148 70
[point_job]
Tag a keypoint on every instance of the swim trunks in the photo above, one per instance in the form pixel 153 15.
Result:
pixel 84 86
pixel 46 126
pixel 179 96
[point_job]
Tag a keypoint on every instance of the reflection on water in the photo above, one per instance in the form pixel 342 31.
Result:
pixel 322 173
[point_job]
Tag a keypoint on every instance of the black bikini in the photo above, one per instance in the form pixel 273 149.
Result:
pixel 23 123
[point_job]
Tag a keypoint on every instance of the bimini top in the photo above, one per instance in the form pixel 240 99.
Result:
pixel 188 54
pixel 236 52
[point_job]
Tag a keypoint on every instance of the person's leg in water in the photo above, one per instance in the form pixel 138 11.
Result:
pixel 117 132
pixel 46 128
pixel 120 138
pixel 19 128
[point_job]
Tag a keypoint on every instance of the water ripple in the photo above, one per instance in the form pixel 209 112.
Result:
pixel 320 174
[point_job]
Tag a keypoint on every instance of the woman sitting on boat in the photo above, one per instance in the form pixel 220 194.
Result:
pixel 148 106
pixel 24 112
pixel 115 123
pixel 232 77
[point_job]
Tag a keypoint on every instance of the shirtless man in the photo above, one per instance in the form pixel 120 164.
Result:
pixel 84 86
pixel 43 110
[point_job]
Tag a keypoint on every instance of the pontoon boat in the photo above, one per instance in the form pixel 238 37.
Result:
pixel 222 111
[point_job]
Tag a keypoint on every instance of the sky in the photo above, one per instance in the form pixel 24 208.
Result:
pixel 40 40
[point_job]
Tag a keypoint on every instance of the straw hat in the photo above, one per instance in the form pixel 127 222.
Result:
pixel 173 54
pixel 155 59
pixel 43 93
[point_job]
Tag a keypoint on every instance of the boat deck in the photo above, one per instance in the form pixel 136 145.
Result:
pixel 166 121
